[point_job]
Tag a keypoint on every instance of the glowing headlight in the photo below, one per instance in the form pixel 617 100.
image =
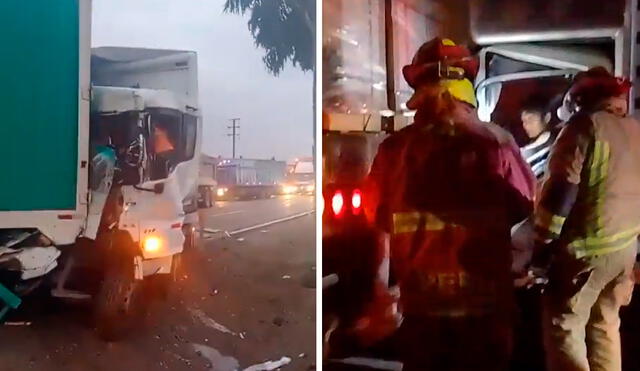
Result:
pixel 152 244
pixel 221 191
pixel 290 189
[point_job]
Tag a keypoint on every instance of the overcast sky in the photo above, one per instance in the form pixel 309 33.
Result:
pixel 275 112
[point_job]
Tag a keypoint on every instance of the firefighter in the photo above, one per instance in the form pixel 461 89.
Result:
pixel 587 224
pixel 446 190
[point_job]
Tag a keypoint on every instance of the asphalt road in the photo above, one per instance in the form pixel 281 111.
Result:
pixel 237 215
pixel 242 301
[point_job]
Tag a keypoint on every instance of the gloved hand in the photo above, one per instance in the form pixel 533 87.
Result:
pixel 538 271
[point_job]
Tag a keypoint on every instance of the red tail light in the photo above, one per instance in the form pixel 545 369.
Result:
pixel 356 201
pixel 337 203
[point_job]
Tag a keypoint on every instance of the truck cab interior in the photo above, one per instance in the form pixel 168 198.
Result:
pixel 173 140
pixel 156 140
pixel 512 73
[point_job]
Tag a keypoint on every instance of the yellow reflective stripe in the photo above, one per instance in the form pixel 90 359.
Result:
pixel 580 253
pixel 549 222
pixel 603 168
pixel 595 160
pixel 410 222
pixel 597 183
pixel 610 242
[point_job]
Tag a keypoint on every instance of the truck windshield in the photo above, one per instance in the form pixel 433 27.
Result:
pixel 121 131
pixel 118 130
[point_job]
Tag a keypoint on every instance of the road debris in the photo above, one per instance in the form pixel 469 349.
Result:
pixel 269 365
pixel 211 231
pixel 218 361
pixel 286 277
pixel 181 359
pixel 209 322
pixel 240 239
pixel 264 231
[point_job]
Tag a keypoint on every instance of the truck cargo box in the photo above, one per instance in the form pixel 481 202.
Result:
pixel 45 115
pixel 250 172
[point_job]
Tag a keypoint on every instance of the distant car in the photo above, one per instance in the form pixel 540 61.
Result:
pixel 222 194
pixel 298 188
pixel 307 188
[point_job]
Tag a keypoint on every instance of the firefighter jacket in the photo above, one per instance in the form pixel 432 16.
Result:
pixel 448 196
pixel 590 202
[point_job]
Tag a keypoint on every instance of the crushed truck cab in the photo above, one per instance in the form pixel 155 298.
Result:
pixel 104 148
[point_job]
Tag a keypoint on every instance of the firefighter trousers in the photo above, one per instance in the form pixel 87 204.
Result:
pixel 581 310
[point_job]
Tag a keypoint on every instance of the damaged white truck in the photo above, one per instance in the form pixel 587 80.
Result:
pixel 101 152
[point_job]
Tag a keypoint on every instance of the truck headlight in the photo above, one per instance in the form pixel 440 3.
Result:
pixel 152 244
pixel 220 192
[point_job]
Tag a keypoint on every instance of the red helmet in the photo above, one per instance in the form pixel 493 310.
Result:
pixel 440 59
pixel 591 87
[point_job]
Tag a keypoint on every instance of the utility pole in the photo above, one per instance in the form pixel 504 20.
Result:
pixel 234 134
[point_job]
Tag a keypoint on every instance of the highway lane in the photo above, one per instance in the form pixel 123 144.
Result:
pixel 240 301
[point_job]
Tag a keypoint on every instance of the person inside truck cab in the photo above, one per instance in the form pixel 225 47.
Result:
pixel 536 119
pixel 163 149
pixel 161 140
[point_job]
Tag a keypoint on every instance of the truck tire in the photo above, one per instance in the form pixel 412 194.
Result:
pixel 120 304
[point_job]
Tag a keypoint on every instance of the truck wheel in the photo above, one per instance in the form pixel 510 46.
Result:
pixel 120 302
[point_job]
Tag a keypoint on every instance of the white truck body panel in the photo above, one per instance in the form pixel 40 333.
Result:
pixel 138 68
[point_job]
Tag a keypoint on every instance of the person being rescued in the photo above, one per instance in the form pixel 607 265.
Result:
pixel 536 118
pixel 446 190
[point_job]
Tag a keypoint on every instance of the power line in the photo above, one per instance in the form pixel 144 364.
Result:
pixel 234 134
